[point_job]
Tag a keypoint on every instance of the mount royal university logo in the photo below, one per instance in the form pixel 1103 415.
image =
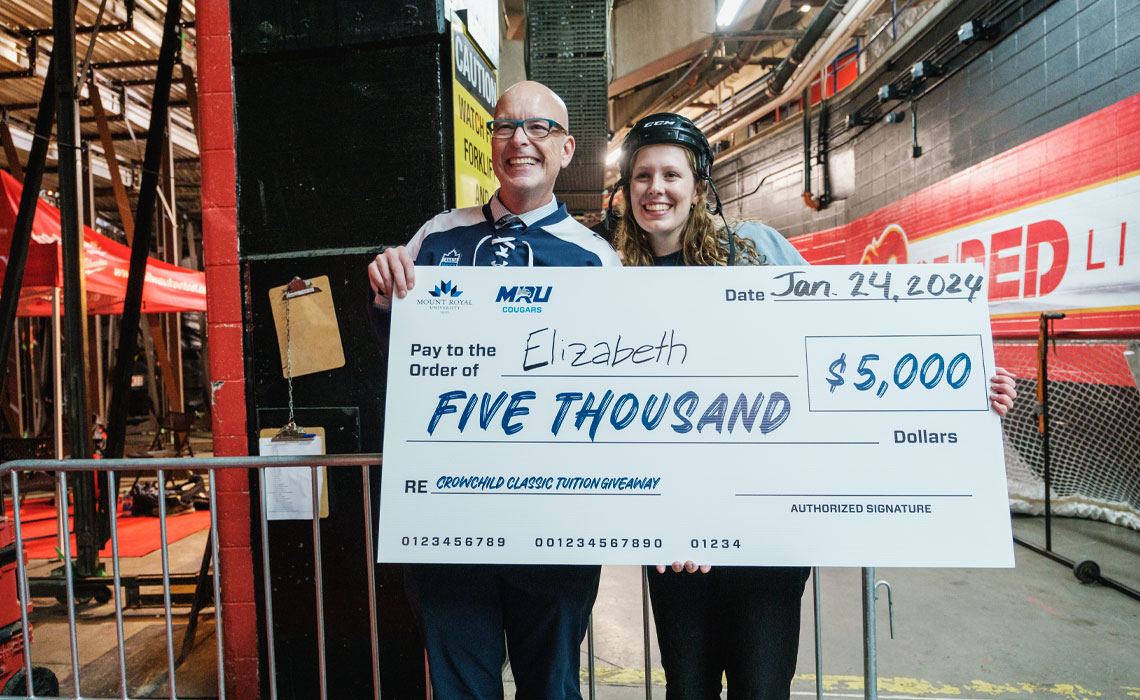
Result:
pixel 444 297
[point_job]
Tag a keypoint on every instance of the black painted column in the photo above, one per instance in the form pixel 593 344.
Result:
pixel 342 131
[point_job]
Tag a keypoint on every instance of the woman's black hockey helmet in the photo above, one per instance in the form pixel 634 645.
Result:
pixel 665 127
pixel 673 129
pixel 676 130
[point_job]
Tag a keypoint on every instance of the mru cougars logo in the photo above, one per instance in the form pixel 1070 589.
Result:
pixel 445 297
pixel 523 299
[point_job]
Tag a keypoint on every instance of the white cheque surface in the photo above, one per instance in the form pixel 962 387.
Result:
pixel 831 415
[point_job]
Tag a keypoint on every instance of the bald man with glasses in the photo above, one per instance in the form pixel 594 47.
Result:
pixel 466 610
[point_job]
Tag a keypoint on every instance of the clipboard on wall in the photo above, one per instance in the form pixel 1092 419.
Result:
pixel 308 335
pixel 289 490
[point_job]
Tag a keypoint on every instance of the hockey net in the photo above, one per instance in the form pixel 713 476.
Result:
pixel 1094 430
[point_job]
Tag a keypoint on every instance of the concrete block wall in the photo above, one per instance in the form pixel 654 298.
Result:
pixel 1066 62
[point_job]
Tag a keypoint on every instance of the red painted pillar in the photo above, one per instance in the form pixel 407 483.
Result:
pixel 227 368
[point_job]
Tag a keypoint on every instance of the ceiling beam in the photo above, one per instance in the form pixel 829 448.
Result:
pixel 754 34
pixel 662 65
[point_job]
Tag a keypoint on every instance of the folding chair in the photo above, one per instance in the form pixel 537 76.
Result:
pixel 174 428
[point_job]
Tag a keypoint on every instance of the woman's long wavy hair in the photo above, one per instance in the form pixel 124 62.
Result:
pixel 703 240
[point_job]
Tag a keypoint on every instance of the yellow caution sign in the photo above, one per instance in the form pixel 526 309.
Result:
pixel 474 89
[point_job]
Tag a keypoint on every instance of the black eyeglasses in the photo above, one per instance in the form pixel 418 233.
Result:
pixel 536 128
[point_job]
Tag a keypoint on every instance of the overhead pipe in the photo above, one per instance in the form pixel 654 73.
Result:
pixel 768 61
pixel 824 150
pixel 696 65
pixel 776 81
pixel 712 76
pixel 824 198
pixel 849 24
pixel 144 223
pixel 693 74
pixel 718 126
pixel 807 149
pixel 751 34
pixel 752 92
pixel 796 56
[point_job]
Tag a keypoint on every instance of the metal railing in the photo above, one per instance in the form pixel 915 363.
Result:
pixel 211 466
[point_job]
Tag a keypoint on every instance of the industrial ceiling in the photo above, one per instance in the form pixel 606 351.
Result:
pixel 119 42
pixel 716 77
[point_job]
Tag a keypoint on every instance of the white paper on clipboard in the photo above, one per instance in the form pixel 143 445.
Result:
pixel 289 490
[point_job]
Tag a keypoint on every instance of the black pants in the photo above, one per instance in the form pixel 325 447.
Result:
pixel 464 610
pixel 743 621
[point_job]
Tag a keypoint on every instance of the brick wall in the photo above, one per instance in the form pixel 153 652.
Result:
pixel 227 373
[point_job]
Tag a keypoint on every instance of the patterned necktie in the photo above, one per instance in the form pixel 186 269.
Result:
pixel 510 221
pixel 508 227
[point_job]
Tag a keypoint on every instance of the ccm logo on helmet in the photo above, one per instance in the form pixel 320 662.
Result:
pixel 664 123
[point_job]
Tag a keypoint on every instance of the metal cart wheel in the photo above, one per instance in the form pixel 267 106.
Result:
pixel 102 595
pixel 44 683
pixel 80 598
pixel 1086 571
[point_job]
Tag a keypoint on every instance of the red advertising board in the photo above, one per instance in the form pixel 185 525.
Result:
pixel 1055 221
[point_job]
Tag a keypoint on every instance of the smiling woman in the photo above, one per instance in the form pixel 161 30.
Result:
pixel 743 621
pixel 740 621
pixel 662 192
pixel 665 177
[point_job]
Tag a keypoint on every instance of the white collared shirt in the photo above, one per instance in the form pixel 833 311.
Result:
pixel 499 210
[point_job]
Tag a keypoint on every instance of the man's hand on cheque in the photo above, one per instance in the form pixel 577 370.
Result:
pixel 391 272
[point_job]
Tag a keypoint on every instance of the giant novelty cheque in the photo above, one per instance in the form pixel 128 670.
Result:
pixel 831 415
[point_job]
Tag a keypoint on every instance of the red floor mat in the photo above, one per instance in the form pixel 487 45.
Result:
pixel 137 535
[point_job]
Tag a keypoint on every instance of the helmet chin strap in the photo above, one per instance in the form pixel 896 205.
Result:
pixel 718 209
pixel 609 221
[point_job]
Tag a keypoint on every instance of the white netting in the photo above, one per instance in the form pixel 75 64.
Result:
pixel 1094 438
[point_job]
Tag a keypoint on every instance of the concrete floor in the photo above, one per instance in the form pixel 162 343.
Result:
pixel 143 629
pixel 1031 631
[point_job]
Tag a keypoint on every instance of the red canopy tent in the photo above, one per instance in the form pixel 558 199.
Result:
pixel 168 288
